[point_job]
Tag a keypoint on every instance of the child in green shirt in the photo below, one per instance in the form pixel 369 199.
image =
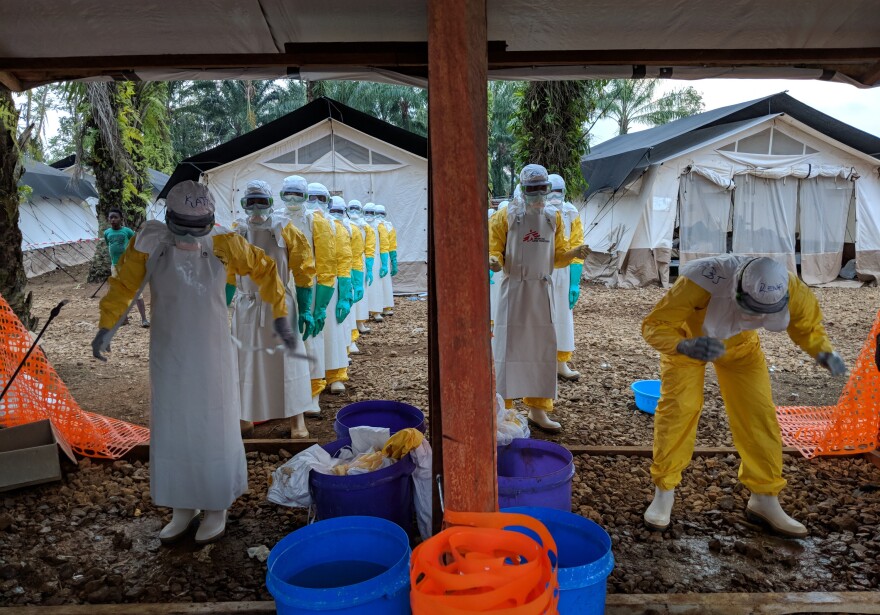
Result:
pixel 117 238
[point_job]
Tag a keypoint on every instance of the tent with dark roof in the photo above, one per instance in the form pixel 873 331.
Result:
pixel 770 177
pixel 355 155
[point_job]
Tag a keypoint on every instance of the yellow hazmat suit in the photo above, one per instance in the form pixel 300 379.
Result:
pixel 575 238
pixel 498 227
pixel 343 270
pixel 369 252
pixel 742 376
pixel 384 248
pixel 325 267
pixel 357 263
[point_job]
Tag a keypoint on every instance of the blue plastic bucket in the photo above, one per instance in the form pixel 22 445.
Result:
pixel 585 558
pixel 647 394
pixel 534 473
pixel 352 565
pixel 394 415
pixel 385 493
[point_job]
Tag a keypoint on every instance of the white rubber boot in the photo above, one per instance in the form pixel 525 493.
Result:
pixel 181 520
pixel 212 528
pixel 765 510
pixel 353 348
pixel 377 317
pixel 388 312
pixel 298 429
pixel 363 328
pixel 337 388
pixel 565 372
pixel 539 418
pixel 660 511
pixel 314 408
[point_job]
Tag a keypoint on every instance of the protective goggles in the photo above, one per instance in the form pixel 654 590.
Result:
pixel 250 203
pixel 296 197
pixel 748 303
pixel 539 190
pixel 197 226
pixel 319 198
pixel 334 209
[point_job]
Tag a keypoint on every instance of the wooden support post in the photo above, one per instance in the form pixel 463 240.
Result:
pixel 458 139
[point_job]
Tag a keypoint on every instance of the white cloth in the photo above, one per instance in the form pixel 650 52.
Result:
pixel 375 292
pixel 387 286
pixel 718 275
pixel 525 335
pixel 336 338
pixel 314 346
pixel 561 283
pixel 196 453
pixel 362 307
pixel 273 386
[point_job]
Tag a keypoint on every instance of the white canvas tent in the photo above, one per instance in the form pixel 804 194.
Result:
pixel 353 154
pixel 57 222
pixel 770 177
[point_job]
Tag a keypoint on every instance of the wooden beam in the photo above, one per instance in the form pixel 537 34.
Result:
pixel 10 81
pixel 180 608
pixel 141 452
pixel 872 75
pixel 647 451
pixel 458 140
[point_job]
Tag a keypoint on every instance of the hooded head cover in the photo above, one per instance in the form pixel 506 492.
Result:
pixel 294 189
pixel 257 195
pixel 189 209
pixel 369 211
pixel 337 205
pixel 762 286
pixel 380 210
pixel 557 190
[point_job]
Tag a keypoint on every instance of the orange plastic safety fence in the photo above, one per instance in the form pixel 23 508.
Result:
pixel 848 428
pixel 38 393
pixel 477 566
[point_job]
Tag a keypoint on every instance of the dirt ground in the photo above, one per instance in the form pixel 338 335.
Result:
pixel 93 536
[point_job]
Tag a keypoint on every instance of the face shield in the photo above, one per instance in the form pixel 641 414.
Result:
pixel 762 287
pixel 189 210
pixel 193 226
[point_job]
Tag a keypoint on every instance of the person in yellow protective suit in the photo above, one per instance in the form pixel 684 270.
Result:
pixel 391 264
pixel 338 336
pixel 375 291
pixel 273 385
pixel 527 242
pixel 319 234
pixel 357 273
pixel 356 214
pixel 566 281
pixel 197 459
pixel 711 314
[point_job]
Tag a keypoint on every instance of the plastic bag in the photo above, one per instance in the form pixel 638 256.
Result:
pixel 423 458
pixel 290 482
pixel 848 271
pixel 508 424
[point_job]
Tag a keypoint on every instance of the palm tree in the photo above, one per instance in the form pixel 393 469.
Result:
pixel 632 101
pixel 502 108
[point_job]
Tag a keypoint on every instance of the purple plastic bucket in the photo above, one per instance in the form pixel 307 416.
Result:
pixel 385 493
pixel 394 415
pixel 534 473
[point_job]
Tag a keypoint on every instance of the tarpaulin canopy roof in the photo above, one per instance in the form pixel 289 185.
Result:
pixel 158 179
pixel 296 121
pixel 52 183
pixel 46 40
pixel 619 161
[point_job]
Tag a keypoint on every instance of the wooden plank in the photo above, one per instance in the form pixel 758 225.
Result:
pixel 10 81
pixel 141 452
pixel 647 451
pixel 458 138
pixel 874 457
pixel 616 604
pixel 743 604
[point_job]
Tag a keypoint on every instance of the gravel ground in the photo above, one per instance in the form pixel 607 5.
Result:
pixel 93 536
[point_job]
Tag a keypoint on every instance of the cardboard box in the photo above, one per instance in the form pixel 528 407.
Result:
pixel 28 455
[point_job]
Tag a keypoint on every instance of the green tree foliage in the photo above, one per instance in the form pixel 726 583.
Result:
pixel 629 102
pixel 400 105
pixel 549 126
pixel 503 103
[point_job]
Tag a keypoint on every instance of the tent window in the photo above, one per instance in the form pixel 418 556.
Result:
pixel 313 151
pixel 288 158
pixel 783 145
pixel 810 150
pixel 756 144
pixel 730 147
pixel 380 159
pixel 352 152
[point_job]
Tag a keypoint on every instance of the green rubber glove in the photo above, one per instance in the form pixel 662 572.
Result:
pixel 574 281
pixel 230 293
pixel 393 255
pixel 322 300
pixel 343 301
pixel 383 270
pixel 368 266
pixel 357 284
pixel 491 277
pixel 304 307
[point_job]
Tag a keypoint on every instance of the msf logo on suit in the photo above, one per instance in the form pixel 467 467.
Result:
pixel 534 237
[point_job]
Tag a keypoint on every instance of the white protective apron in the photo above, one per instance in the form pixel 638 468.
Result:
pixel 561 283
pixel 314 345
pixel 336 338
pixel 525 336
pixel 387 287
pixel 494 286
pixel 277 385
pixel 718 275
pixel 196 453
pixel 375 296
pixel 362 307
